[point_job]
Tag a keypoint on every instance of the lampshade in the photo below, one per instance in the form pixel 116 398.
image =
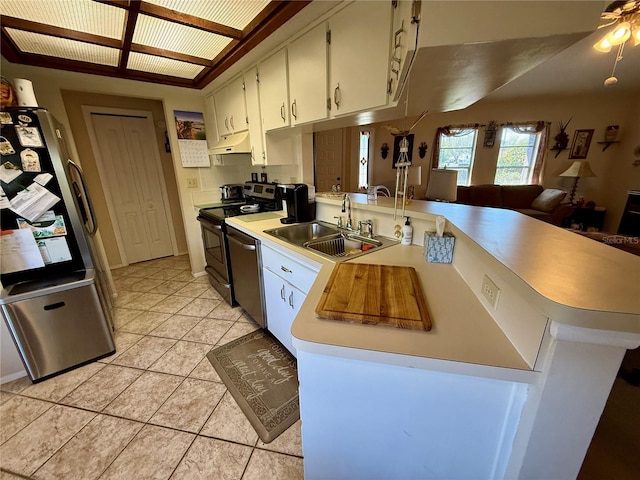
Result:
pixel 578 169
pixel 443 185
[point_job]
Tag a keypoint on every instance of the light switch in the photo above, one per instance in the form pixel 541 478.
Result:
pixel 192 183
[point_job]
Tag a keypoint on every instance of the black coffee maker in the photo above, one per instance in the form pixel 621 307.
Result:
pixel 299 208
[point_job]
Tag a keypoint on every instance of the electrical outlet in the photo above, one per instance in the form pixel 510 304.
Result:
pixel 192 183
pixel 490 291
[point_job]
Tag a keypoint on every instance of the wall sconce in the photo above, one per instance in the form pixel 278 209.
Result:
pixel 384 150
pixel 422 149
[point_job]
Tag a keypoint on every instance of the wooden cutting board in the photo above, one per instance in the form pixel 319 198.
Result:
pixel 375 294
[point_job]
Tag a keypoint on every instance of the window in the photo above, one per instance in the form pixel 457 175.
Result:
pixel 456 151
pixel 517 156
pixel 363 168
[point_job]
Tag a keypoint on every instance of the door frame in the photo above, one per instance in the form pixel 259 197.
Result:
pixel 87 110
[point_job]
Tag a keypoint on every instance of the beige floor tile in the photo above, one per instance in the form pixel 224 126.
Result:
pixel 171 304
pixel 144 396
pixel 9 476
pixel 208 331
pixel 193 290
pixel 100 390
pixel 205 371
pixel 145 352
pixel 125 298
pixel 17 413
pixel 202 279
pixel 263 464
pixel 181 358
pixel 209 459
pixel 122 316
pixel 211 293
pixel 16 386
pixel 25 452
pixel 129 270
pixel 184 277
pixel 175 326
pixel 165 274
pixel 224 311
pixel 123 341
pixel 91 451
pixel 190 405
pixel 289 441
pixel 145 322
pixel 123 283
pixel 238 330
pixel 55 388
pixel 153 454
pixel 144 285
pixel 169 287
pixel 146 271
pixel 147 300
pixel 5 396
pixel 199 307
pixel 229 423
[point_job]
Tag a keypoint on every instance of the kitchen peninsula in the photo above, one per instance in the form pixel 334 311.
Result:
pixel 511 391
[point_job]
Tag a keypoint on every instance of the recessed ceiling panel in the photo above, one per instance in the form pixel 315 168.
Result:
pixel 153 32
pixel 163 66
pixel 62 48
pixel 234 13
pixel 81 15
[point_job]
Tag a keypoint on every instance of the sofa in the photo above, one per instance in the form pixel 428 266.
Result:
pixel 532 200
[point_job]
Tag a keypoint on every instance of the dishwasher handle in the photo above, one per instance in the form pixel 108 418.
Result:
pixel 243 245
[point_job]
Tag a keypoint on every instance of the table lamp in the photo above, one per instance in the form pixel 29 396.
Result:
pixel 577 170
pixel 442 185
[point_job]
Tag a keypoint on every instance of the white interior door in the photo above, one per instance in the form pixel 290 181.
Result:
pixel 129 156
pixel 329 162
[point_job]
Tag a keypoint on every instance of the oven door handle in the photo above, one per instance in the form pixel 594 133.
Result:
pixel 242 245
pixel 208 223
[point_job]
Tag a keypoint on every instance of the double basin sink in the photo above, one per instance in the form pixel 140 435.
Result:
pixel 329 240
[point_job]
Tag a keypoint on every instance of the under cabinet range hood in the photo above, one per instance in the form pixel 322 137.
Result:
pixel 233 143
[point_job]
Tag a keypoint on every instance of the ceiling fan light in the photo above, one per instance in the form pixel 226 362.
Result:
pixel 619 34
pixel 603 45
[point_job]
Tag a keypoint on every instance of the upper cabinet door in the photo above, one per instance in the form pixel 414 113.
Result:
pixel 359 57
pixel 273 86
pixel 231 113
pixel 253 114
pixel 308 76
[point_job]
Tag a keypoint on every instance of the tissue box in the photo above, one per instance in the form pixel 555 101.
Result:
pixel 438 249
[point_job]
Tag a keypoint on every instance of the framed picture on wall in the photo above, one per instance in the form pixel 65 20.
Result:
pixel 581 142
pixel 396 148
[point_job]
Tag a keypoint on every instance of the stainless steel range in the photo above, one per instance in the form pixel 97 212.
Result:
pixel 258 197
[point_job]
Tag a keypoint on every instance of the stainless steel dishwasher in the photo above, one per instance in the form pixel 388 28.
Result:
pixel 246 272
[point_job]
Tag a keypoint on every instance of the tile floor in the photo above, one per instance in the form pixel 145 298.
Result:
pixel 156 409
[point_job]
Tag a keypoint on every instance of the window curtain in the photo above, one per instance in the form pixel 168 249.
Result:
pixel 541 128
pixel 448 131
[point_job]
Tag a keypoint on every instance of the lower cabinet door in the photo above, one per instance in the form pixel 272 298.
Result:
pixel 282 301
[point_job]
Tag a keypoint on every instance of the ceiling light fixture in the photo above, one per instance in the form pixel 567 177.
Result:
pixel 625 16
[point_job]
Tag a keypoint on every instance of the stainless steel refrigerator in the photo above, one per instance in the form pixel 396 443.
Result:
pixel 53 299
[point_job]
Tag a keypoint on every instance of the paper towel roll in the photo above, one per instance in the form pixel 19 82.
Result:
pixel 24 92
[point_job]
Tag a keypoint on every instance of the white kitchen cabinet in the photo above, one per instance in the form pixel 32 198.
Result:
pixel 252 98
pixel 273 87
pixel 359 57
pixel 403 41
pixel 286 284
pixel 307 60
pixel 231 113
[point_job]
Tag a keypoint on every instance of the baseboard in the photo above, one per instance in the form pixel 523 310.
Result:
pixel 13 376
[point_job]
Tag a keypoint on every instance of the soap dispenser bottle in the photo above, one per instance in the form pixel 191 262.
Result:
pixel 407 233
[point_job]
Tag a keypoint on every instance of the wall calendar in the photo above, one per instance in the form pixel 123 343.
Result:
pixel 192 139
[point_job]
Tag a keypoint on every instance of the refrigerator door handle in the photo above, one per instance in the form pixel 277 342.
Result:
pixel 85 197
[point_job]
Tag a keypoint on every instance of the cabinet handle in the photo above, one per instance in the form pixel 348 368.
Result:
pixel 226 123
pixel 282 292
pixel 231 122
pixel 336 97
pixel 294 110
pixel 291 299
pixel 282 113
pixel 253 157
pixel 284 269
